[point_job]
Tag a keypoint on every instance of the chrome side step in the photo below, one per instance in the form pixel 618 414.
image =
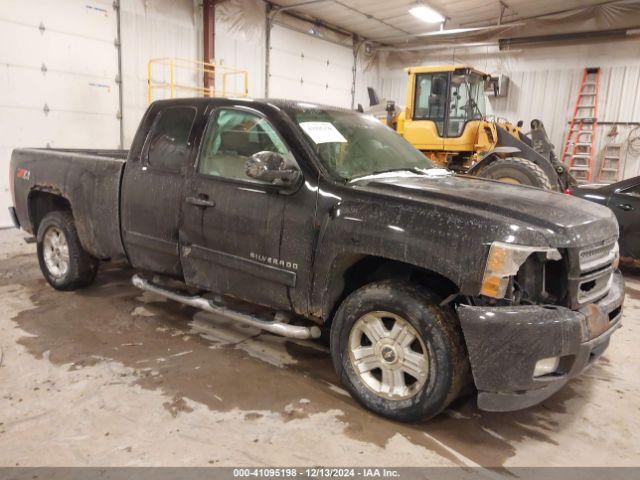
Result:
pixel 273 326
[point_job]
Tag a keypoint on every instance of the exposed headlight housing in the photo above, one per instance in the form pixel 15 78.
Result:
pixel 504 261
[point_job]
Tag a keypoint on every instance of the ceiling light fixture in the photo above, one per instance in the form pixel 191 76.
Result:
pixel 426 14
pixel 315 31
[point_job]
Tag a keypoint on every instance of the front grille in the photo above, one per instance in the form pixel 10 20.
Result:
pixel 595 257
pixel 595 286
pixel 591 277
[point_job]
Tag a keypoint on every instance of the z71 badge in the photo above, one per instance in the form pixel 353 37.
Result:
pixel 23 174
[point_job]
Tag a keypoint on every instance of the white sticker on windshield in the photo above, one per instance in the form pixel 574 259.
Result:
pixel 322 132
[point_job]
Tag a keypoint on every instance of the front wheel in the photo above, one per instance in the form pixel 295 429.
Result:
pixel 63 261
pixel 518 171
pixel 397 352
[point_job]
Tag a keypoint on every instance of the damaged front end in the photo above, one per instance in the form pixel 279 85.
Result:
pixel 543 316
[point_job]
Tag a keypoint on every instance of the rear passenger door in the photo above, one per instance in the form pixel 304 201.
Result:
pixel 232 224
pixel 152 191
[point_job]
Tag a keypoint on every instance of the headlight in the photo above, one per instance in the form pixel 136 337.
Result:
pixel 504 261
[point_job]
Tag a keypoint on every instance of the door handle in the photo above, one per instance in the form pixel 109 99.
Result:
pixel 201 201
pixel 624 206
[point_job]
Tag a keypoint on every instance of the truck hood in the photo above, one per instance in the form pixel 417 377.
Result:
pixel 563 220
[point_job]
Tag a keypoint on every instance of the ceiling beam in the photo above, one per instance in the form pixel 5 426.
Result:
pixel 594 35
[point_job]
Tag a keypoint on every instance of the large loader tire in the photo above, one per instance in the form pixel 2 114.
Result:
pixel 518 171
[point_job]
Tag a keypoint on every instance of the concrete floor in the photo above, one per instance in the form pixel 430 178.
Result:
pixel 108 376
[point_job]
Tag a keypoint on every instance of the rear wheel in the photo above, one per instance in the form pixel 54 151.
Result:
pixel 63 261
pixel 397 352
pixel 518 171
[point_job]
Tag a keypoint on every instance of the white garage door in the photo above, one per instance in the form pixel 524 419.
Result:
pixel 302 67
pixel 58 69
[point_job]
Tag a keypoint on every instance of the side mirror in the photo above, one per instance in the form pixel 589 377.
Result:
pixel 271 167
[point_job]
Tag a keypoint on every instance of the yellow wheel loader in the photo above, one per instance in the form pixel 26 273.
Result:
pixel 445 118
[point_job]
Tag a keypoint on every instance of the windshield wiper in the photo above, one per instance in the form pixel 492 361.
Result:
pixel 400 169
pixel 416 170
pixel 419 171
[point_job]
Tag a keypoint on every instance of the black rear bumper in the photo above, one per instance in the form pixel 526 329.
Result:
pixel 505 343
pixel 14 217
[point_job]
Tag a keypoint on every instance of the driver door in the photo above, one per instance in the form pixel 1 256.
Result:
pixel 232 224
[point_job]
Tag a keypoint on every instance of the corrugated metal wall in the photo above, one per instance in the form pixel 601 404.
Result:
pixel 551 96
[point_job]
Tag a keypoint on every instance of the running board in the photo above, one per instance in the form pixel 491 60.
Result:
pixel 273 326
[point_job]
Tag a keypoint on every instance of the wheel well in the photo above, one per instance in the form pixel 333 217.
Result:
pixel 487 160
pixel 360 271
pixel 41 203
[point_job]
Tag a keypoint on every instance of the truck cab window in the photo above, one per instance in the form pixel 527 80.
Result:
pixel 431 98
pixel 232 136
pixel 169 138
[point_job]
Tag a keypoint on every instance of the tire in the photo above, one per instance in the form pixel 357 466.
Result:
pixel 63 261
pixel 517 171
pixel 447 366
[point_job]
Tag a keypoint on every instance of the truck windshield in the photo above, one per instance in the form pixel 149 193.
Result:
pixel 354 145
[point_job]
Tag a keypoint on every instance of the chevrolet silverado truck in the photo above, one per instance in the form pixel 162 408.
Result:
pixel 302 220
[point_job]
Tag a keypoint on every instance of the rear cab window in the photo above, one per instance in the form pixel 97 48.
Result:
pixel 168 146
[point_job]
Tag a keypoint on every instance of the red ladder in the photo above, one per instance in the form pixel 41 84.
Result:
pixel 579 146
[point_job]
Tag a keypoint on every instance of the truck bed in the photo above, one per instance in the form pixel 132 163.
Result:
pixel 88 179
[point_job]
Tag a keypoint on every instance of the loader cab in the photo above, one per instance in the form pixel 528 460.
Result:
pixel 445 106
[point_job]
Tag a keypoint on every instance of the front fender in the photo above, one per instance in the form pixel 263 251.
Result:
pixel 350 233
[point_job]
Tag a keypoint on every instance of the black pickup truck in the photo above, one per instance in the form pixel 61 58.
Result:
pixel 424 281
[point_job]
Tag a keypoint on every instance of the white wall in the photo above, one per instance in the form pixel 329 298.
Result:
pixel 155 29
pixel 544 83
pixel 242 48
pixel 301 66
pixel 311 69
pixel 58 53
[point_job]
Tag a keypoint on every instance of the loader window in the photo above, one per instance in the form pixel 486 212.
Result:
pixel 467 102
pixel 431 98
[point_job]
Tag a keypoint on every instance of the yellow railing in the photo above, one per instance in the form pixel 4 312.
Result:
pixel 166 74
